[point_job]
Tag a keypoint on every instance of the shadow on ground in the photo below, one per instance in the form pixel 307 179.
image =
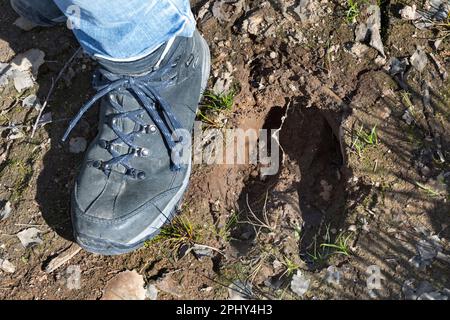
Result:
pixel 59 166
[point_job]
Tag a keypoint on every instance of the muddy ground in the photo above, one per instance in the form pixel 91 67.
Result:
pixel 339 206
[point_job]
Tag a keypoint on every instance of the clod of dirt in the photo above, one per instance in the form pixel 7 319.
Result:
pixel 127 285
pixel 151 292
pixel 24 24
pixel 77 145
pixel 5 210
pixel 358 49
pixel 30 237
pixel 370 30
pixel 239 290
pixel 7 266
pixel 300 284
pixel 419 59
pixel 32 101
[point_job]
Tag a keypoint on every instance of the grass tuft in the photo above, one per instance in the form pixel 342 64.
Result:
pixel 363 139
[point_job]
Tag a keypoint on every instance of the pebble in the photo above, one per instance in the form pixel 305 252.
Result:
pixel 5 210
pixel 7 266
pixel 29 237
pixel 23 80
pixel 32 101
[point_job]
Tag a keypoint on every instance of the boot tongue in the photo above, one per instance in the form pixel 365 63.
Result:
pixel 135 67
pixel 144 65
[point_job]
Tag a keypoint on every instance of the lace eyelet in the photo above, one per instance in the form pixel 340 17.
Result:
pixel 136 174
pixel 103 144
pixel 113 121
pixel 97 164
pixel 140 152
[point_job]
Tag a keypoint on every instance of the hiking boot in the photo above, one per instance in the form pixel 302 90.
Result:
pixel 43 13
pixel 137 169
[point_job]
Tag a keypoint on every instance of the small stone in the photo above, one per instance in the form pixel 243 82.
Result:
pixel 333 275
pixel 202 251
pixel 277 264
pixel 45 118
pixel 352 228
pixel 5 210
pixel 7 266
pixel 24 24
pixel 273 55
pixel 30 60
pixel 428 249
pixel 5 74
pixel 77 145
pixel 419 60
pixel 22 80
pixel 369 31
pixel 151 292
pixel 127 285
pixel 299 284
pixel 29 237
pixel 380 61
pixel 437 44
pixel 32 101
pixel 409 13
pixel 15 134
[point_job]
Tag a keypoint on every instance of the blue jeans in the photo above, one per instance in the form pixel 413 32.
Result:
pixel 120 30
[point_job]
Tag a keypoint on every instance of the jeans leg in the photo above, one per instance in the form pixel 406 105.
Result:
pixel 127 30
pixel 41 12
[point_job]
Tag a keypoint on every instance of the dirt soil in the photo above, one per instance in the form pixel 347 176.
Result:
pixel 337 204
